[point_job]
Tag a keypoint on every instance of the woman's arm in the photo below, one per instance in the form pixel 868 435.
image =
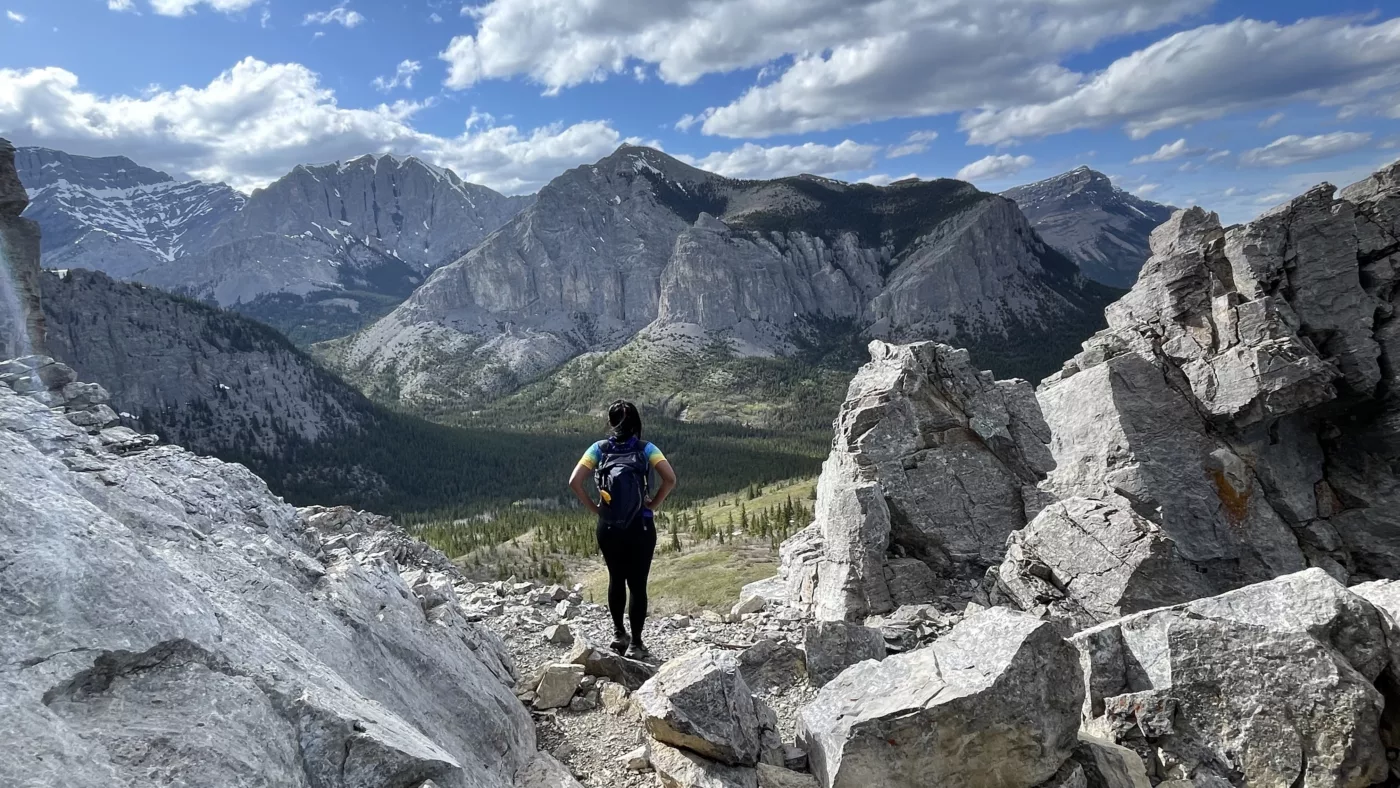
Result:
pixel 668 483
pixel 576 481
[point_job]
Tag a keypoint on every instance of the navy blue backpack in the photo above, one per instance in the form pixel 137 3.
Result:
pixel 623 478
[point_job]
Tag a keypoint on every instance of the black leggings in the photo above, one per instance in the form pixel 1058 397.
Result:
pixel 627 552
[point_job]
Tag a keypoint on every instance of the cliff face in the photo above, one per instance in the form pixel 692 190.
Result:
pixel 21 318
pixel 1100 227
pixel 642 244
pixel 375 223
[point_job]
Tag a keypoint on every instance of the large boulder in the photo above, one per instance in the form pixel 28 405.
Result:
pixel 605 664
pixel 167 615
pixel 1083 561
pixel 678 768
pixel 1271 684
pixel 994 703
pixel 933 460
pixel 700 703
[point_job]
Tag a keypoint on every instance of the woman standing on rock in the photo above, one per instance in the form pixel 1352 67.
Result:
pixel 622 465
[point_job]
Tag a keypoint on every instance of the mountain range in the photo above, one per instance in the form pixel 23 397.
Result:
pixel 644 254
pixel 707 298
pixel 316 253
pixel 1100 227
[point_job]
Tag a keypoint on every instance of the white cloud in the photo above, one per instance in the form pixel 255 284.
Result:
pixel 1295 149
pixel 852 60
pixel 991 168
pixel 1146 189
pixel 1208 72
pixel 15 16
pixel 757 162
pixel 1219 155
pixel 121 5
pixel 266 17
pixel 1274 198
pixel 403 76
pixel 917 142
pixel 434 18
pixel 340 15
pixel 1169 152
pixel 182 7
pixel 1271 121
pixel 256 121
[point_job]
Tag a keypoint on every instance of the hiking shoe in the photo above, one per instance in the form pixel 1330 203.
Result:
pixel 621 642
pixel 638 651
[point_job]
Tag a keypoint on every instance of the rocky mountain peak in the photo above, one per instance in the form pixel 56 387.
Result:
pixel 1098 225
pixel 43 167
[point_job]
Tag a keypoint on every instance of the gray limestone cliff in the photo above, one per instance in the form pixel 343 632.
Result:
pixel 1102 228
pixel 169 620
pixel 21 319
pixel 376 223
pixel 641 244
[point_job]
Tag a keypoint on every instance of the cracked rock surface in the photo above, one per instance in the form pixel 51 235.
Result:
pixel 168 621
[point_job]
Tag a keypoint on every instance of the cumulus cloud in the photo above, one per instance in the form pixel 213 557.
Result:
pixel 852 60
pixel 256 121
pixel 917 142
pixel 990 168
pixel 403 76
pixel 1295 149
pixel 1208 72
pixel 435 18
pixel 340 15
pixel 15 16
pixel 756 162
pixel 182 7
pixel 1170 152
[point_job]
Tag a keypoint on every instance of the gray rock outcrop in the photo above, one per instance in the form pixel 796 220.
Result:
pixel 643 246
pixel 1271 684
pixel 1237 401
pixel 1102 228
pixel 1081 562
pixel 172 616
pixel 21 317
pixel 933 460
pixel 993 703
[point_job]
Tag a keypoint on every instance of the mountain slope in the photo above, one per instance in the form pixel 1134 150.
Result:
pixel 643 247
pixel 318 253
pixel 113 215
pixel 1099 226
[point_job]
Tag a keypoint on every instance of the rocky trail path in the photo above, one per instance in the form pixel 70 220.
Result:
pixel 599 727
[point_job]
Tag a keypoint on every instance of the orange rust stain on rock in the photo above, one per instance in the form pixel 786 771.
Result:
pixel 1235 502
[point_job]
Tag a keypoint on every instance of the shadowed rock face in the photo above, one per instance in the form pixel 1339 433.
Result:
pixel 167 614
pixel 21 319
pixel 642 244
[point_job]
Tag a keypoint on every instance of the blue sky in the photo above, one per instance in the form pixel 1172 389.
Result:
pixel 1231 105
